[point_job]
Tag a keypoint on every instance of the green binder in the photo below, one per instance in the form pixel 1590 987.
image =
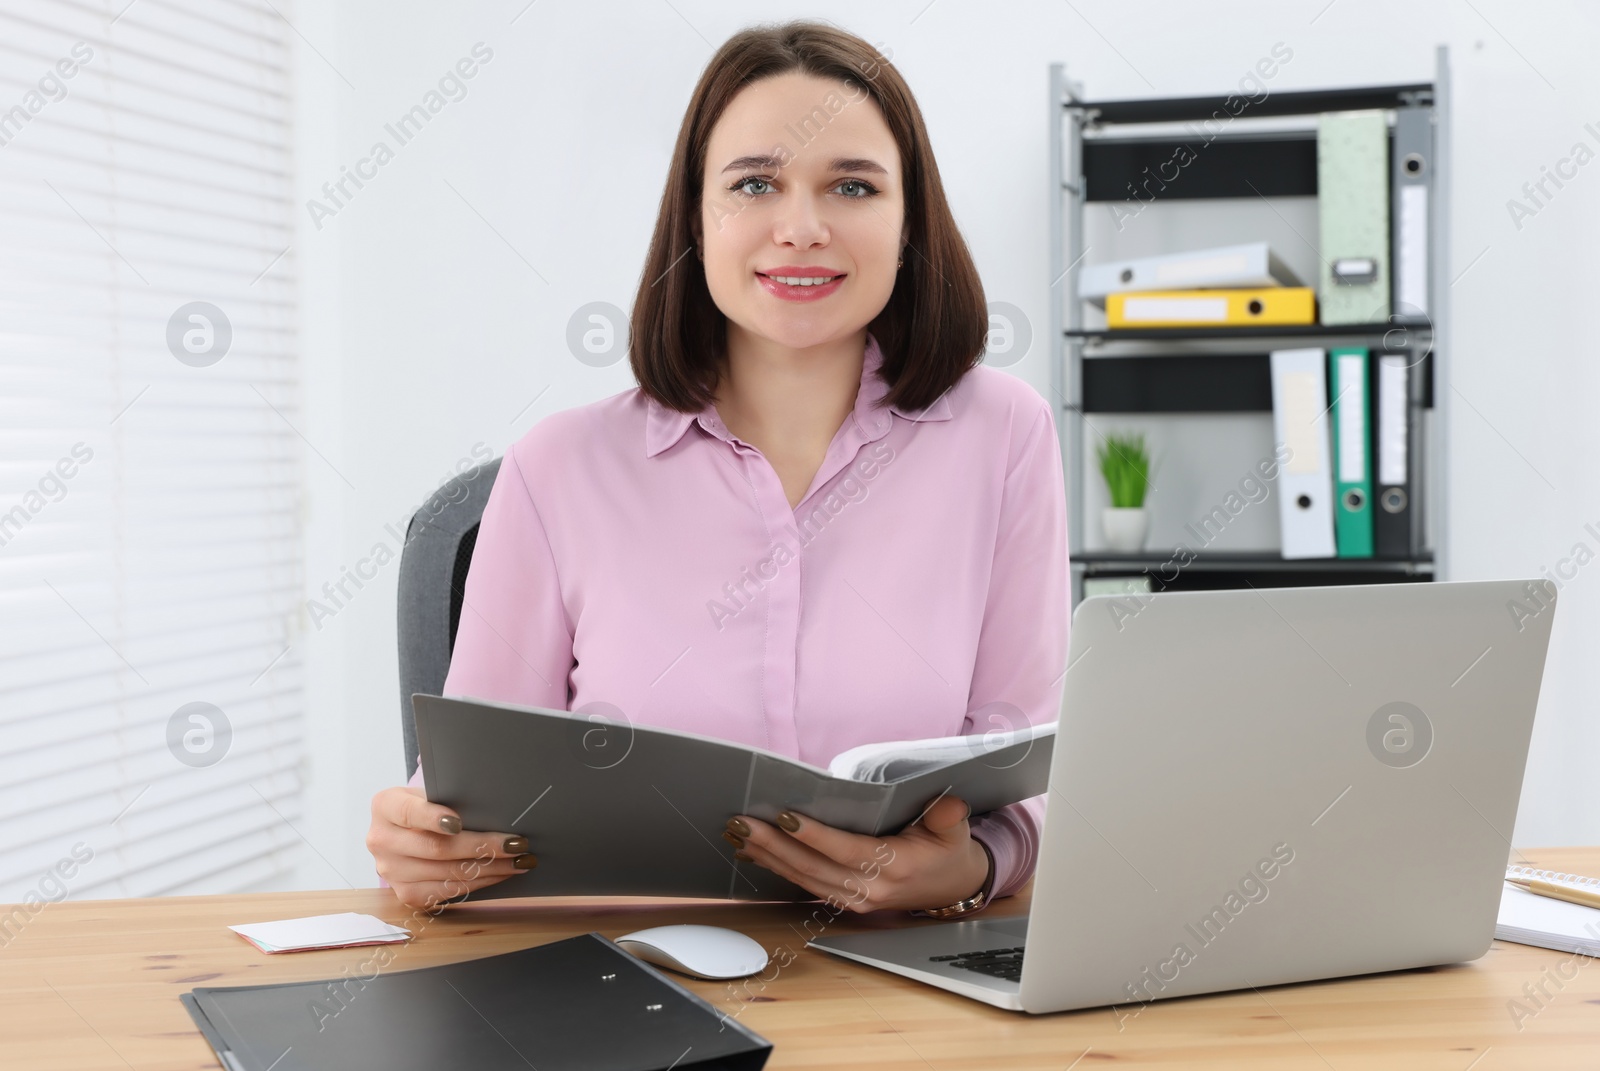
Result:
pixel 1352 451
pixel 1353 210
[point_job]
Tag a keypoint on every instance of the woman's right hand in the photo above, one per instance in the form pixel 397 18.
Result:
pixel 425 856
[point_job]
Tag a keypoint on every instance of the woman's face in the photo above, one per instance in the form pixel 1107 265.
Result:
pixel 828 198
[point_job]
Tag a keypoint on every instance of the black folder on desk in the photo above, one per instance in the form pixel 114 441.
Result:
pixel 613 809
pixel 581 1003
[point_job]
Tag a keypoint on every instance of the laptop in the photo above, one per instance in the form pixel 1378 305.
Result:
pixel 1261 786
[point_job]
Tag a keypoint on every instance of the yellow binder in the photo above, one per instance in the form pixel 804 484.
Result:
pixel 1212 308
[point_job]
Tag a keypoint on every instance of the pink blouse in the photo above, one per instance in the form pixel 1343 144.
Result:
pixel 645 564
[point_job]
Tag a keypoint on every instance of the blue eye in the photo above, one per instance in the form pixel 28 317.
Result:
pixel 868 189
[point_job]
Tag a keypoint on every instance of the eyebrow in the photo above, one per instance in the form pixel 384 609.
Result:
pixel 843 163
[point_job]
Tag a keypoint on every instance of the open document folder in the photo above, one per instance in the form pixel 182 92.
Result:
pixel 614 809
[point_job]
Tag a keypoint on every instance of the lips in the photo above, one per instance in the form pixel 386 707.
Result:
pixel 808 271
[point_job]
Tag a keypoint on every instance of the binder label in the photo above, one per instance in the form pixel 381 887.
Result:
pixel 1411 273
pixel 1352 422
pixel 1135 308
pixel 1300 416
pixel 1391 420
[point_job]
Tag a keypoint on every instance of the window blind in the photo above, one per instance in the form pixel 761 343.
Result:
pixel 151 702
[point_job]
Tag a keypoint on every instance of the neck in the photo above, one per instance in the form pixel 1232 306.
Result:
pixel 772 396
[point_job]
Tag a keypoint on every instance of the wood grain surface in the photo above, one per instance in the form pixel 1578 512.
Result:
pixel 95 984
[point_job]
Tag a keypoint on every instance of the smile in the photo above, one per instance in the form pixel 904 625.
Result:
pixel 802 280
pixel 795 288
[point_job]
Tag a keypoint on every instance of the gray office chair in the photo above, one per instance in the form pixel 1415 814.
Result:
pixel 433 577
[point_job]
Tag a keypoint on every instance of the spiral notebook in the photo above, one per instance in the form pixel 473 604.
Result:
pixel 1530 919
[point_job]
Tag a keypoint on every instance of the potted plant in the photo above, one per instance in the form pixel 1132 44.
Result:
pixel 1125 464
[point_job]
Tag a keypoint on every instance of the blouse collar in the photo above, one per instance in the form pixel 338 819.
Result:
pixel 664 427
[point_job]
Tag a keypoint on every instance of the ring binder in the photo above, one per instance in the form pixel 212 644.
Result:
pixel 1577 881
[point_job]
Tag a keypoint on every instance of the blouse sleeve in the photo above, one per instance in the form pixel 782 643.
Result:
pixel 514 639
pixel 1022 646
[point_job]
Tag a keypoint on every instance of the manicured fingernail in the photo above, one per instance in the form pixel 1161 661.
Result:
pixel 525 862
pixel 742 856
pixel 515 845
pixel 739 826
pixel 737 842
pixel 968 814
pixel 450 823
pixel 788 821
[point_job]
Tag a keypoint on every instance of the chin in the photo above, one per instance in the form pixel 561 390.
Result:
pixel 801 332
pixel 815 334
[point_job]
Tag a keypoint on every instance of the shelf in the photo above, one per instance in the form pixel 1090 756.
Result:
pixel 1264 569
pixel 1281 164
pixel 1100 561
pixel 1404 330
pixel 1106 152
pixel 1302 102
pixel 1191 383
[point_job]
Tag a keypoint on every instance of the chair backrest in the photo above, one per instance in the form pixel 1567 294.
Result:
pixel 433 577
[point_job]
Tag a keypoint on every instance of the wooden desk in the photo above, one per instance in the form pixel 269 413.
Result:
pixel 96 984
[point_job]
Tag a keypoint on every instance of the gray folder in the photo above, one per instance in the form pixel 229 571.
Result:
pixel 579 1004
pixel 1412 160
pixel 616 809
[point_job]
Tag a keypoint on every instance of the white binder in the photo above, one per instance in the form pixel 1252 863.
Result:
pixel 1305 483
pixel 1233 266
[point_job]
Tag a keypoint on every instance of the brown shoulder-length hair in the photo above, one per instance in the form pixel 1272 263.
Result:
pixel 934 326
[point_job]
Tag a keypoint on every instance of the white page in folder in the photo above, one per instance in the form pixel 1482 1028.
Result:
pixel 895 759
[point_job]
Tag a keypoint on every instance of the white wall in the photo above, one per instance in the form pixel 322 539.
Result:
pixel 434 316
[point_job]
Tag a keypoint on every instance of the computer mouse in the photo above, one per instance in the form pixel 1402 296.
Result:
pixel 698 951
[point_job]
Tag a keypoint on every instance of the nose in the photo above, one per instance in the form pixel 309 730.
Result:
pixel 800 223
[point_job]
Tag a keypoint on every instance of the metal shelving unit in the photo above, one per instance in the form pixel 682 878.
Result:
pixel 1096 146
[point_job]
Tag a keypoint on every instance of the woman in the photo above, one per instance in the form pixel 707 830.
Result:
pixel 817 522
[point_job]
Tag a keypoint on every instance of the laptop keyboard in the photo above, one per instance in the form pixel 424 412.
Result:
pixel 1003 963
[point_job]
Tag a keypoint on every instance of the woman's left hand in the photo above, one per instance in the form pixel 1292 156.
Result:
pixel 931 863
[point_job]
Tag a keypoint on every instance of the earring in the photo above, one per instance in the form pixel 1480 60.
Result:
pixel 899 263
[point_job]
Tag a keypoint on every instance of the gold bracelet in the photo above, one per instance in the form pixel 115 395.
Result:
pixel 972 904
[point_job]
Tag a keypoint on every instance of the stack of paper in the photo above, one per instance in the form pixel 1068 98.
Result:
pixel 343 930
pixel 1530 919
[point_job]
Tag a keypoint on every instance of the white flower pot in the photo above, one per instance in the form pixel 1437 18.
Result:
pixel 1125 527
